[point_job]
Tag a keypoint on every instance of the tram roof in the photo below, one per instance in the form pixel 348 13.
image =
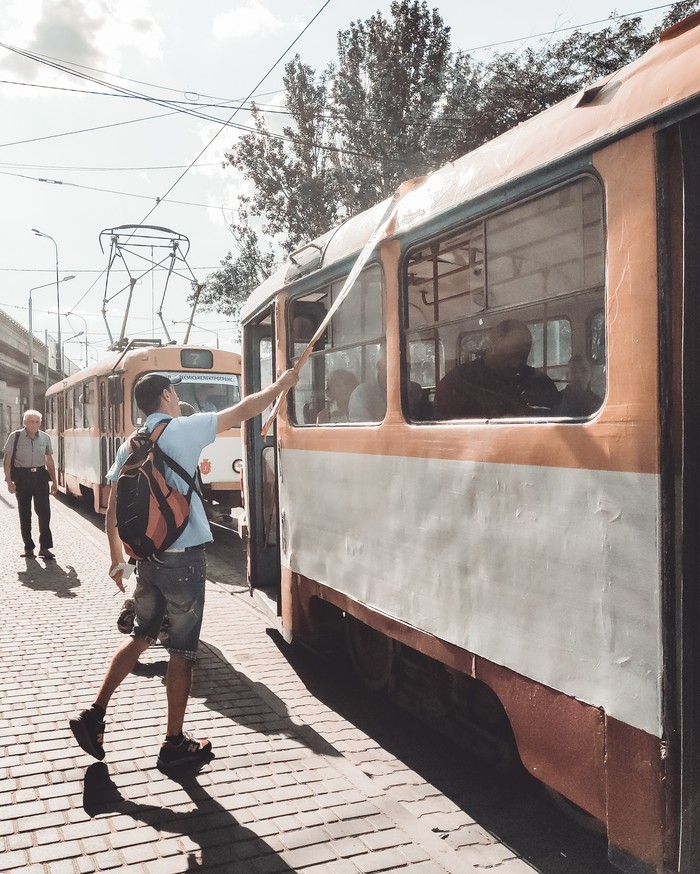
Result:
pixel 116 362
pixel 654 85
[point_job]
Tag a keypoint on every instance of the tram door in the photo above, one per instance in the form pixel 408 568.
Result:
pixel 109 401
pixel 61 424
pixel 679 198
pixel 262 509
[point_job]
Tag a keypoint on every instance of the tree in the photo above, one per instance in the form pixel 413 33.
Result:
pixel 226 290
pixel 295 190
pixel 397 105
pixel 485 100
pixel 391 77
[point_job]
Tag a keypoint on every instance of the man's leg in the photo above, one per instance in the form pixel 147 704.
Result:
pixel 122 664
pixel 178 687
pixel 24 507
pixel 182 578
pixel 89 726
pixel 42 507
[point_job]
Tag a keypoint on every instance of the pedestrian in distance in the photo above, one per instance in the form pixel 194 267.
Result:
pixel 173 580
pixel 29 468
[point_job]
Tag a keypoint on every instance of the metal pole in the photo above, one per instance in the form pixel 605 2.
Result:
pixel 59 354
pixel 31 356
pixel 84 321
pixel 58 312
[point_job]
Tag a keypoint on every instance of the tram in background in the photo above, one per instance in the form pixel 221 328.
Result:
pixel 536 567
pixel 89 414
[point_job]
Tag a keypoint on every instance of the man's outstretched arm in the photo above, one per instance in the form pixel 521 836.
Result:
pixel 255 403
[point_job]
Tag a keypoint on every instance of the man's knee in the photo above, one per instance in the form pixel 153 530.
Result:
pixel 181 662
pixel 137 644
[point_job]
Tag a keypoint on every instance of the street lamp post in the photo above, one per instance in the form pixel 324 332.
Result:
pixel 30 394
pixel 58 299
pixel 74 337
pixel 199 328
pixel 85 332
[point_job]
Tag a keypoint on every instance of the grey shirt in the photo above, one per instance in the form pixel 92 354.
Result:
pixel 30 452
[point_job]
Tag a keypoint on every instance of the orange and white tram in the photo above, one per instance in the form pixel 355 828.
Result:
pixel 90 413
pixel 536 562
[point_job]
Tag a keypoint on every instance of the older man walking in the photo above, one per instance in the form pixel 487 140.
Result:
pixel 29 468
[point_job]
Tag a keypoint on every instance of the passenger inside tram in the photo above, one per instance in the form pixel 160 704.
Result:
pixel 578 399
pixel 340 385
pixel 204 399
pixel 368 400
pixel 500 383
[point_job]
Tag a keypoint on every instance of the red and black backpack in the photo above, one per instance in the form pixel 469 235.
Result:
pixel 151 514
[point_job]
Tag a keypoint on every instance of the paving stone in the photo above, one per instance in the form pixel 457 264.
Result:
pixel 288 790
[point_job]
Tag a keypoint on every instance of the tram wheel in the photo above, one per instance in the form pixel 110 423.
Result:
pixel 371 654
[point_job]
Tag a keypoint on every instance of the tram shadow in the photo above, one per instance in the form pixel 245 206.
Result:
pixel 514 807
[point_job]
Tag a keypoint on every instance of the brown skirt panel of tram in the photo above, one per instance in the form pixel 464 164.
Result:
pixel 611 770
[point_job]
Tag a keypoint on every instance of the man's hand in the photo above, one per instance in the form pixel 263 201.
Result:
pixel 11 487
pixel 116 573
pixel 288 380
pixel 54 489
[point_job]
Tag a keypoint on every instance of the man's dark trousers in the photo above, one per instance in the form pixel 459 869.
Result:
pixel 34 486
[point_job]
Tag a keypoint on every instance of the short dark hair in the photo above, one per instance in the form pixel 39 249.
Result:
pixel 149 388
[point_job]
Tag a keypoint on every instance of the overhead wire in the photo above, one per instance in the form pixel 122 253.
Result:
pixel 188 105
pixel 221 128
pixel 103 190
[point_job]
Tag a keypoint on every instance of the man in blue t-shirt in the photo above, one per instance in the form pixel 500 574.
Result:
pixel 175 581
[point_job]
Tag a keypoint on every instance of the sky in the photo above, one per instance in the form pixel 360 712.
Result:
pixel 74 165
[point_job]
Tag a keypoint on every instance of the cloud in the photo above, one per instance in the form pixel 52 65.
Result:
pixel 243 22
pixel 90 33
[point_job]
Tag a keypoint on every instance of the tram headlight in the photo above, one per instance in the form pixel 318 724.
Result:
pixel 237 465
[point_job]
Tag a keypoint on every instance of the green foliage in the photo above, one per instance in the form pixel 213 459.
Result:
pixel 391 77
pixel 397 105
pixel 228 289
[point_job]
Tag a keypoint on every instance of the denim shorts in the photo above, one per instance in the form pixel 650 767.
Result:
pixel 175 584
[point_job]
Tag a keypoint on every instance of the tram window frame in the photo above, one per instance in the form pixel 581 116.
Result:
pixel 70 410
pixel 352 344
pixel 88 403
pixel 596 351
pixel 103 413
pixel 574 211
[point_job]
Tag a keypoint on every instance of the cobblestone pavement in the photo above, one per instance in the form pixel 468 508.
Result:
pixel 295 785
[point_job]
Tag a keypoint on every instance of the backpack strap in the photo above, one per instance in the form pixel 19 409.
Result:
pixel 194 483
pixel 14 449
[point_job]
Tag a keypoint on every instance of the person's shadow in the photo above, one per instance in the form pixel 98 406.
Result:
pixel 50 577
pixel 221 838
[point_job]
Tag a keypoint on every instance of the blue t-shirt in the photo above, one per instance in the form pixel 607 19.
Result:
pixel 183 440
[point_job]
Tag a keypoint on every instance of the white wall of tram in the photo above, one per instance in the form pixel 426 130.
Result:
pixel 216 459
pixel 81 455
pixel 553 573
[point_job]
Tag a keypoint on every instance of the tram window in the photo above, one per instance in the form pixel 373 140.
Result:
pixel 206 392
pixel 70 407
pixel 446 279
pixel 269 496
pixel 211 392
pixel 426 358
pixel 103 406
pixel 513 325
pixel 88 401
pixel 267 374
pixel 596 350
pixel 345 357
